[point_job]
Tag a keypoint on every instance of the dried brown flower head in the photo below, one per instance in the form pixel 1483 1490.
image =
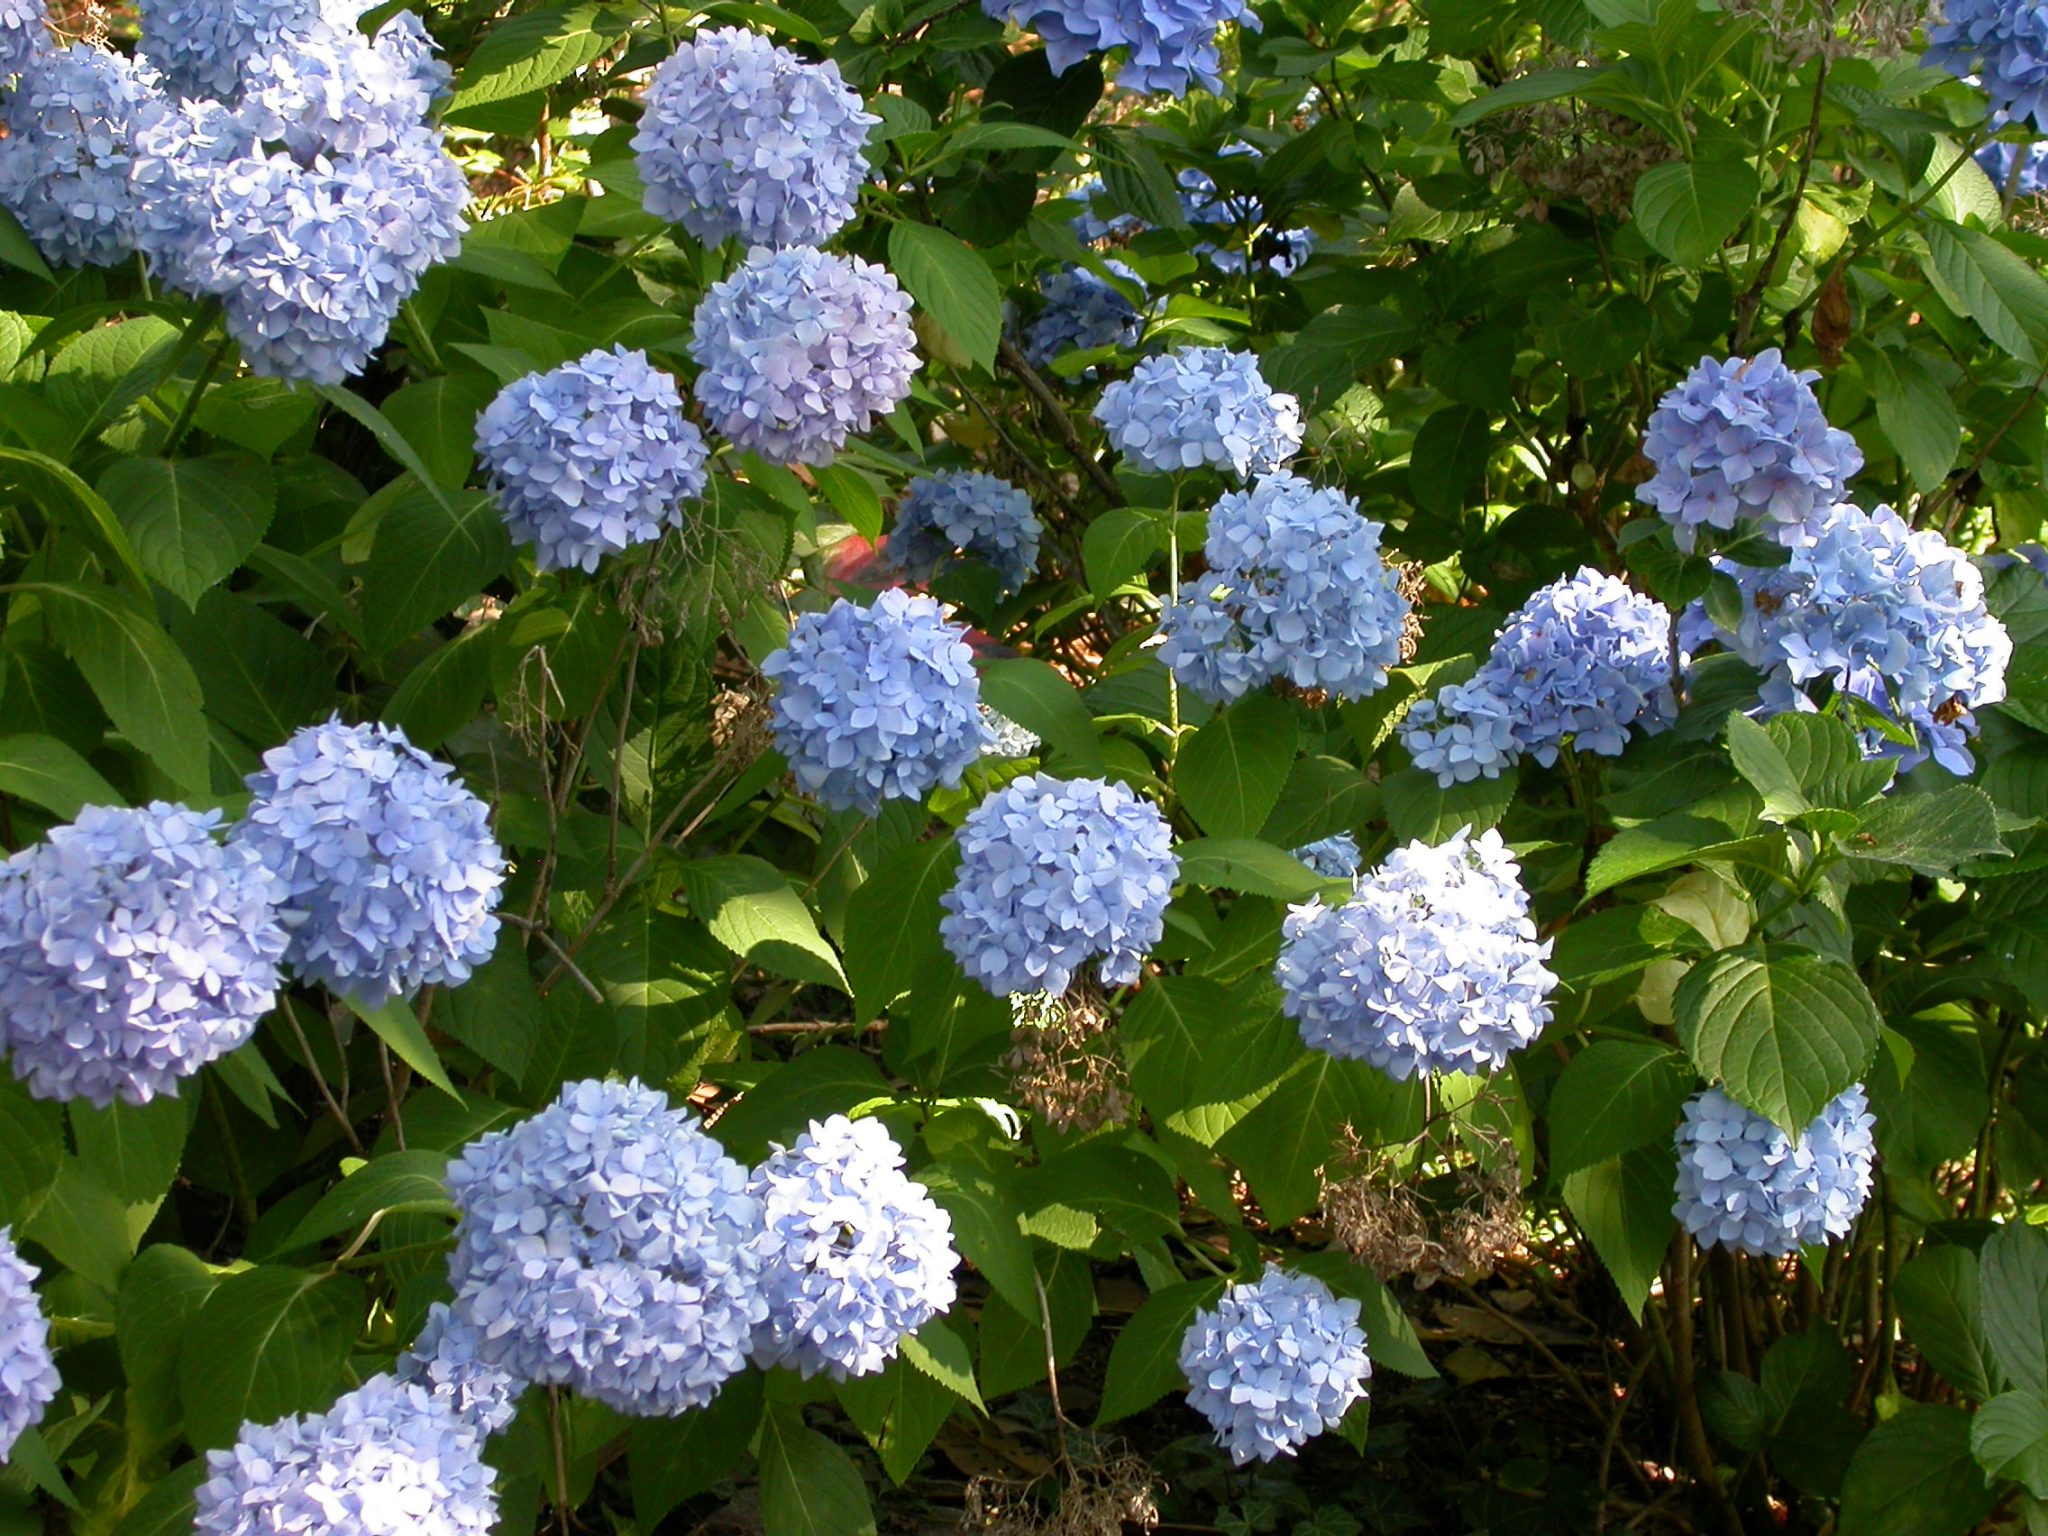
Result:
pixel 1094 1500
pixel 1459 1216
pixel 1062 1065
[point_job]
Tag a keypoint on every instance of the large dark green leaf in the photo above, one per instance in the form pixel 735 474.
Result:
pixel 268 1342
pixel 192 521
pixel 1144 1363
pixel 952 284
pixel 1615 1096
pixel 431 552
pixel 892 920
pixel 1939 1305
pixel 808 1485
pixel 752 909
pixel 2013 1282
pixel 1624 1207
pixel 44 771
pixel 1914 1475
pixel 260 677
pixel 1230 773
pixel 1686 209
pixel 143 681
pixel 677 1459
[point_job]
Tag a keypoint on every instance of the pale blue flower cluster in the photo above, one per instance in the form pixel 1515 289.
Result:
pixel 392 875
pixel 1744 438
pixel 28 1375
pixel 1583 662
pixel 2001 45
pixel 1335 857
pixel 1007 739
pixel 855 1255
pixel 877 703
pixel 1274 1363
pixel 1887 614
pixel 1998 159
pixel 1433 965
pixel 607 1244
pixel 1243 216
pixel 447 1359
pixel 1296 591
pixel 202 47
pixel 1082 311
pixel 742 138
pixel 1745 1185
pixel 965 513
pixel 72 120
pixel 799 350
pixel 312 206
pixel 1201 405
pixel 388 1459
pixel 134 949
pixel 1054 872
pixel 1169 45
pixel 24 33
pixel 591 458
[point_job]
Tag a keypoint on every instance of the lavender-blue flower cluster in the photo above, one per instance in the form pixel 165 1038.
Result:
pixel 1335 857
pixel 2001 45
pixel 1169 45
pixel 1295 590
pixel 591 458
pixel 1583 662
pixel 1082 311
pixel 1201 405
pixel 1746 1185
pixel 28 1375
pixel 855 1255
pixel 798 350
pixel 742 138
pixel 134 949
pixel 447 1359
pixel 1274 1363
pixel 1243 216
pixel 391 873
pixel 24 33
pixel 1745 438
pixel 72 123
pixel 963 512
pixel 1887 614
pixel 1054 872
pixel 1433 965
pixel 878 703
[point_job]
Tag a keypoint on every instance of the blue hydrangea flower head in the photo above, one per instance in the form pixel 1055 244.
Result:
pixel 1875 609
pixel 742 138
pixel 28 1375
pixel 1169 45
pixel 1202 202
pixel 64 166
pixel 1274 1363
pixel 1433 965
pixel 24 33
pixel 387 1458
pixel 201 47
pixel 447 1360
pixel 1999 157
pixel 1007 739
pixel 2001 45
pixel 799 350
pixel 878 703
pixel 591 458
pixel 328 90
pixel 1201 405
pixel 1296 591
pixel 967 513
pixel 1081 312
pixel 855 1255
pixel 1095 223
pixel 1053 873
pixel 1745 1185
pixel 1335 857
pixel 606 1244
pixel 405 38
pixel 134 949
pixel 1745 438
pixel 392 875
pixel 1585 661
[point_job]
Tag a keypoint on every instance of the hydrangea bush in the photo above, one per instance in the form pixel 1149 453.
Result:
pixel 746 757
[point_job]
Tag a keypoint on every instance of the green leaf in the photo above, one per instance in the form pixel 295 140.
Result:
pixel 1420 808
pixel 853 497
pixel 985 1227
pixel 260 677
pixel 1144 1363
pixel 269 1341
pixel 1667 843
pixel 1037 697
pixel 1916 413
pixel 396 1182
pixel 394 1022
pixel 2013 1285
pixel 496 1013
pixel 748 905
pixel 1242 864
pixel 17 250
pixel 827 1081
pixel 161 1293
pixel 431 552
pixel 1230 773
pixel 1939 1305
pixel 141 679
pixel 1801 763
pixel 1615 1096
pixel 808 1486
pixel 1980 278
pixel 1390 1339
pixel 1449 458
pixel 393 441
pixel 952 284
pixel 31 1151
pixel 523 54
pixel 192 521
pixel 1786 1029
pixel 2009 1437
pixel 438 416
pixel 901 1410
pixel 96 378
pixel 1624 1207
pixel 1289 1135
pixel 1914 1475
pixel 1070 1199
pixel 62 495
pixel 88 1228
pixel 1687 209
pixel 892 921
pixel 1929 833
pixel 45 772
pixel 939 1353
pixel 676 1459
pixel 1118 546
pixel 1202 1056
pixel 444 691
pixel 133 1150
pixel 168 1508
pixel 1601 946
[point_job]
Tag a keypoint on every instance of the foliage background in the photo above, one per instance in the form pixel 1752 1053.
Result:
pixel 1531 218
